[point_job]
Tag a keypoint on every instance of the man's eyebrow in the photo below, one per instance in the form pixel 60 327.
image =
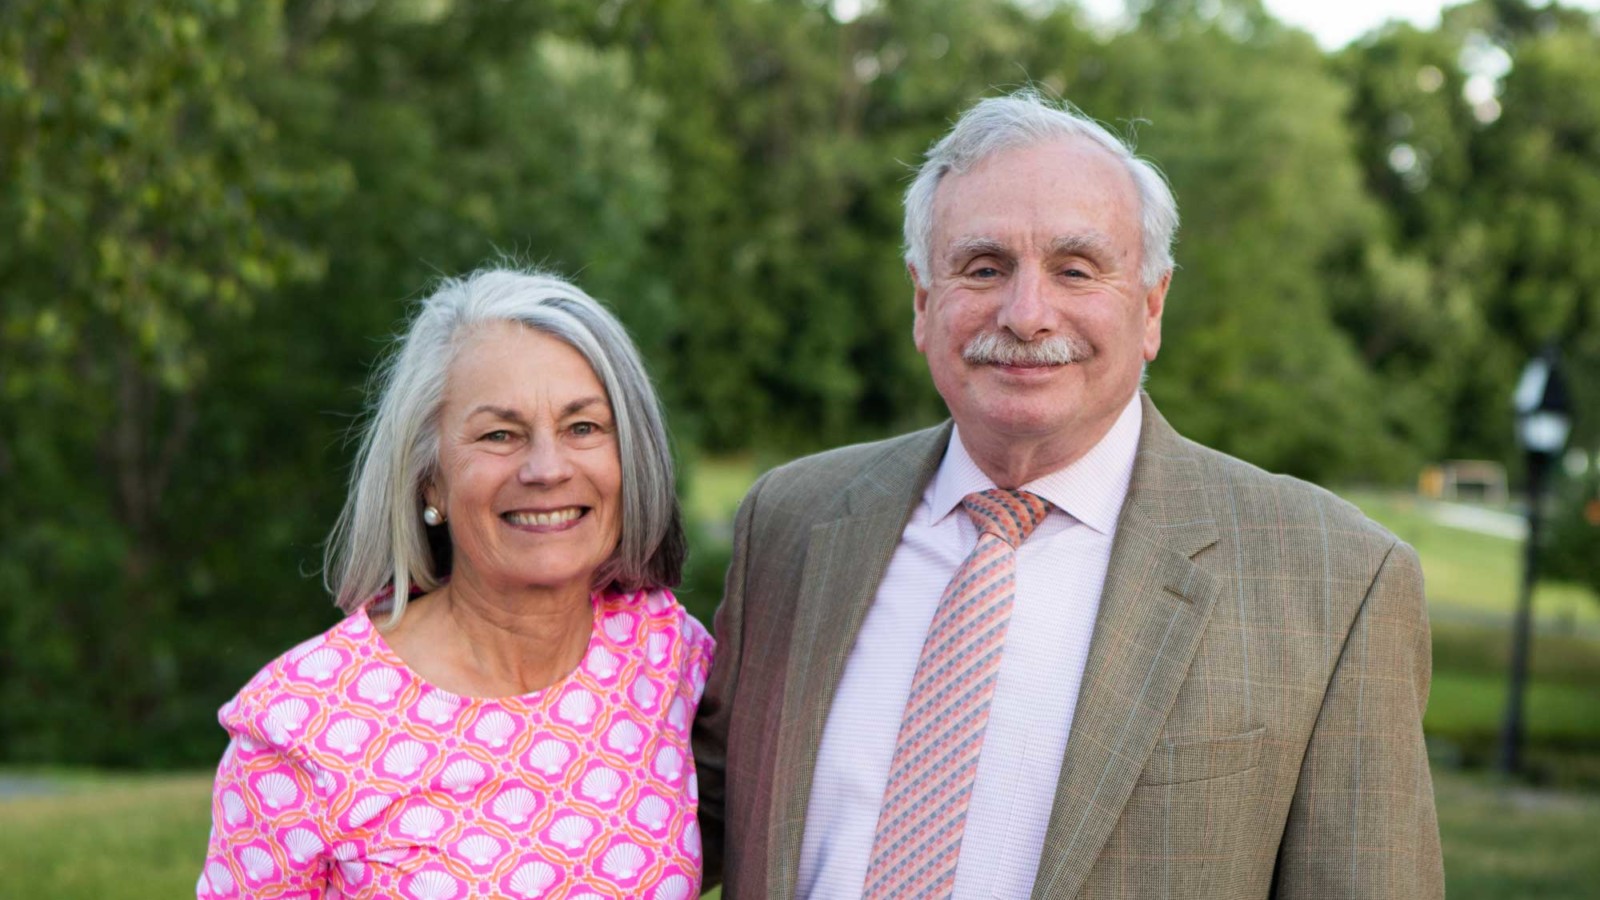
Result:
pixel 969 247
pixel 1087 243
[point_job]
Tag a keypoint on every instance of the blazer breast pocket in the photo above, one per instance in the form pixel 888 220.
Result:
pixel 1200 758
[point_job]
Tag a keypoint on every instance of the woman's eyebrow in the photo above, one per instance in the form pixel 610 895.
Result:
pixel 499 412
pixel 582 403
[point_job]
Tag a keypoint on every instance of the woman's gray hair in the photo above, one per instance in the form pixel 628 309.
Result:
pixel 380 540
pixel 1023 119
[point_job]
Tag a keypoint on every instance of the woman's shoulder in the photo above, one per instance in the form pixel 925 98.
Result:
pixel 671 640
pixel 657 609
pixel 310 668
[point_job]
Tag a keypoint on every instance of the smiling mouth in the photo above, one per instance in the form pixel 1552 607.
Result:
pixel 546 519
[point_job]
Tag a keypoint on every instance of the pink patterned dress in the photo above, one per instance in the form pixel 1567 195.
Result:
pixel 350 776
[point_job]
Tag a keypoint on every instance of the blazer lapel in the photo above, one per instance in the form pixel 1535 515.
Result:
pixel 845 561
pixel 1153 610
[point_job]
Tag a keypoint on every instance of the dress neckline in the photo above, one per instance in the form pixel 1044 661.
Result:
pixel 386 653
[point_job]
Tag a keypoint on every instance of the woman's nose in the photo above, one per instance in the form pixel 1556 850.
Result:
pixel 545 462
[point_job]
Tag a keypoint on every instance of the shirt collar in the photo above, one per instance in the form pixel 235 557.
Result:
pixel 1090 490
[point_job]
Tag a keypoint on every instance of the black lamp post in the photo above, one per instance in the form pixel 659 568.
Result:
pixel 1544 418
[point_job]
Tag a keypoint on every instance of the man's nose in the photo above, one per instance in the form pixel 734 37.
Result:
pixel 1025 310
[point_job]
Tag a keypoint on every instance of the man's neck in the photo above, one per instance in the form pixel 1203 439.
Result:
pixel 1011 461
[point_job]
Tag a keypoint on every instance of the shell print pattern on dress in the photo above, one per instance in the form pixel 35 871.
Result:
pixel 219 879
pixel 378 686
pixel 319 665
pixel 571 831
pixel 531 880
pixel 421 823
pixel 601 663
pixel 257 863
pixel 276 790
pixel 625 738
pixel 674 887
pixel 494 728
pixel 462 776
pixel 514 806
pixel 480 850
pixel 577 707
pixel 433 885
pixel 404 759
pixel 437 707
pixel 349 776
pixel 623 861
pixel 302 845
pixel 549 756
pixel 347 736
pixel 601 785
pixel 651 813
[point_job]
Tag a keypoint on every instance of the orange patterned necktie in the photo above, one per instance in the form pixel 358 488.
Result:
pixel 941 732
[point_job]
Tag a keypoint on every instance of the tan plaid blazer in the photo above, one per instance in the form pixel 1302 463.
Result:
pixel 1250 721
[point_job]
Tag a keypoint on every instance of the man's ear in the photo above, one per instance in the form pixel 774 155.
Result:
pixel 919 307
pixel 1155 303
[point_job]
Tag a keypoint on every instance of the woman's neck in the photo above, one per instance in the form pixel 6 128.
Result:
pixel 479 642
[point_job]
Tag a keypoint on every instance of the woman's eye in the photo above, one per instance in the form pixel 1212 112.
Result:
pixel 585 429
pixel 498 437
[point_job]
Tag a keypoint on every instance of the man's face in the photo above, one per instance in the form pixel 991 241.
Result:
pixel 1035 252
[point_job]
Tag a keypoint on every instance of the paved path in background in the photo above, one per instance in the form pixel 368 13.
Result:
pixel 13 787
pixel 1476 518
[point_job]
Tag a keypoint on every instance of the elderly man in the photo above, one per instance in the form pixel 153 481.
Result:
pixel 1052 648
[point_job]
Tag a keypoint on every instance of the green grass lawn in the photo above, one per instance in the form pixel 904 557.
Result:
pixel 132 838
pixel 1471 573
pixel 1512 842
pixel 109 838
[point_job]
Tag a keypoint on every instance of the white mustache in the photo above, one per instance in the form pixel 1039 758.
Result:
pixel 1003 348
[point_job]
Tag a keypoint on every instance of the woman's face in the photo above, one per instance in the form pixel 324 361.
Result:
pixel 530 478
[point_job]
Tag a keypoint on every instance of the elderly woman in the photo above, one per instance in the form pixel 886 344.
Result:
pixel 505 708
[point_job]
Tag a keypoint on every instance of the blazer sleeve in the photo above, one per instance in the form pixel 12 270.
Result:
pixel 710 738
pixel 1362 821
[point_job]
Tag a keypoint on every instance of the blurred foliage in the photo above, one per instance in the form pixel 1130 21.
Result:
pixel 216 211
pixel 1572 548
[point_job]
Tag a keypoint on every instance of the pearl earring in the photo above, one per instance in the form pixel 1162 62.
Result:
pixel 432 516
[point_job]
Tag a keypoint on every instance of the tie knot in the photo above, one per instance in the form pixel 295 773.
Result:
pixel 1008 515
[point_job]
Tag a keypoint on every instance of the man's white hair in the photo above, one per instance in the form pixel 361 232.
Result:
pixel 1023 119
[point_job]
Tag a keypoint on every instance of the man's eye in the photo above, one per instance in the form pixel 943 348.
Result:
pixel 985 272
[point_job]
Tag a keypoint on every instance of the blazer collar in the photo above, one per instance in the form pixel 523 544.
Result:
pixel 1153 611
pixel 845 560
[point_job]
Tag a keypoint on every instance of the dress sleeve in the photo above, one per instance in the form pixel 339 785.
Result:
pixel 268 839
pixel 700 648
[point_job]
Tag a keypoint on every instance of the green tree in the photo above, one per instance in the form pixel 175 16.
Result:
pixel 140 184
